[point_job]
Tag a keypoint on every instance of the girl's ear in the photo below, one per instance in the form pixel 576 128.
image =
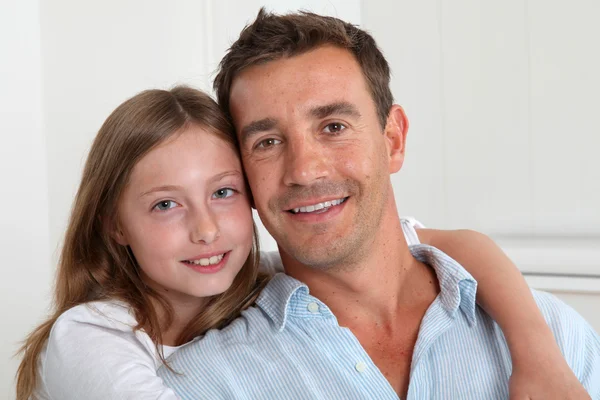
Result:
pixel 119 237
pixel 115 231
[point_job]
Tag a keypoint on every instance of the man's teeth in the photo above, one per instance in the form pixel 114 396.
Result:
pixel 208 261
pixel 318 206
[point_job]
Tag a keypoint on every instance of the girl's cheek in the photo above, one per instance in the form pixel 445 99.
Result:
pixel 238 219
pixel 160 235
pixel 231 219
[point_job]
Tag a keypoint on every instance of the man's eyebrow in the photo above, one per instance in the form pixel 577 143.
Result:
pixel 163 188
pixel 339 108
pixel 255 127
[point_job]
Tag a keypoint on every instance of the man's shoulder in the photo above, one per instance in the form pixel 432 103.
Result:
pixel 568 325
pixel 210 366
pixel 578 341
pixel 250 328
pixel 561 317
pixel 256 325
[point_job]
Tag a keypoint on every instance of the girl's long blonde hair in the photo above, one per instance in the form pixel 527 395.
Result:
pixel 92 265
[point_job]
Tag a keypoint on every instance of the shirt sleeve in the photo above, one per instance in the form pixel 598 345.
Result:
pixel 86 360
pixel 578 341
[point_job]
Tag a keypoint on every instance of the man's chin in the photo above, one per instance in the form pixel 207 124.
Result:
pixel 319 257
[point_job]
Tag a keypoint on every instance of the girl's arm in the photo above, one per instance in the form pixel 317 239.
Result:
pixel 539 369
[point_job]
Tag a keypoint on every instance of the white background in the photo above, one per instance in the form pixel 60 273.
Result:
pixel 502 98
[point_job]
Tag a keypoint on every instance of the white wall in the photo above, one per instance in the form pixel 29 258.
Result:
pixel 501 97
pixel 24 240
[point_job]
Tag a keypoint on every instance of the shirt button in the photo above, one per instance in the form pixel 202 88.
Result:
pixel 360 366
pixel 313 308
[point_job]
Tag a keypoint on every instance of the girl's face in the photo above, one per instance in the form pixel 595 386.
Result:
pixel 186 216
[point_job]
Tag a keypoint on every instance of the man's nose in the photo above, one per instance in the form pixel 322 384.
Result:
pixel 306 162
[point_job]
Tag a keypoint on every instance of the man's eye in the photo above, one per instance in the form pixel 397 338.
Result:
pixel 268 143
pixel 334 127
pixel 223 193
pixel 165 205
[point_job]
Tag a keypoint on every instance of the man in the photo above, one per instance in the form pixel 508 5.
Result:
pixel 358 314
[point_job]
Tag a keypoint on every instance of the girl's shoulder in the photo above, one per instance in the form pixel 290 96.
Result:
pixel 110 314
pixel 97 324
pixel 94 325
pixel 96 345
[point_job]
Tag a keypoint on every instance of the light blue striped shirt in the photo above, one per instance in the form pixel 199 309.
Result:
pixel 290 346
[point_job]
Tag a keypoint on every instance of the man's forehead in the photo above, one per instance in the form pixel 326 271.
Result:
pixel 324 61
pixel 312 79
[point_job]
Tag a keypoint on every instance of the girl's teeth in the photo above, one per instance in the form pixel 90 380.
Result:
pixel 208 261
pixel 318 206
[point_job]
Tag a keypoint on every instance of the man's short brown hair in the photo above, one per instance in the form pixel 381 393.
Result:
pixel 271 37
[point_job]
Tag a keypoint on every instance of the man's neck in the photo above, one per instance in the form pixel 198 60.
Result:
pixel 379 287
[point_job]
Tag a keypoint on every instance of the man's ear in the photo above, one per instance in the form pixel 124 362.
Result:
pixel 396 129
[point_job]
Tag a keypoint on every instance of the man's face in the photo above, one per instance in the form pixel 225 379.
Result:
pixel 316 157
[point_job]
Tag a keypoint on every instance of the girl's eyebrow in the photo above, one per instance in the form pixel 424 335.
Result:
pixel 163 188
pixel 175 188
pixel 225 174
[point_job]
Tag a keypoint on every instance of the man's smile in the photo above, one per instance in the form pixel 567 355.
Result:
pixel 319 207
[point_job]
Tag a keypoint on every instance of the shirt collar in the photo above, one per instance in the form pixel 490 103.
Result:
pixel 458 288
pixel 285 295
pixel 275 299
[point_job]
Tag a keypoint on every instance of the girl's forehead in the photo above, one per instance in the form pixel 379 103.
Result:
pixel 197 139
pixel 194 152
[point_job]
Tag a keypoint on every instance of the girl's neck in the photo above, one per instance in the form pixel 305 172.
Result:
pixel 185 308
pixel 181 318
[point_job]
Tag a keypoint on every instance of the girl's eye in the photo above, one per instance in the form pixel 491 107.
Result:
pixel 223 193
pixel 334 127
pixel 165 205
pixel 270 142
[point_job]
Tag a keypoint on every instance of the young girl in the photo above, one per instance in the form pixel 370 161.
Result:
pixel 161 247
